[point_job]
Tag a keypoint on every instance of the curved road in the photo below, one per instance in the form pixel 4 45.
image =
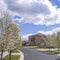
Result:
pixel 31 54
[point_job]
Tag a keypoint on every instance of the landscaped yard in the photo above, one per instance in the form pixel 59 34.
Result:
pixel 14 57
pixel 15 51
pixel 54 52
pixel 30 46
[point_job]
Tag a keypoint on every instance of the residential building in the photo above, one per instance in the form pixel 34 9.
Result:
pixel 37 39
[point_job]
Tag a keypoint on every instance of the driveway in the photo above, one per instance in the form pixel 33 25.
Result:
pixel 32 54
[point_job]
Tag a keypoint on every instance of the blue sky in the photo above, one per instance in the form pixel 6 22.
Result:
pixel 34 16
pixel 56 2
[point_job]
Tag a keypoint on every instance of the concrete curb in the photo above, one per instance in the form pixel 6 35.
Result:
pixel 21 56
pixel 58 54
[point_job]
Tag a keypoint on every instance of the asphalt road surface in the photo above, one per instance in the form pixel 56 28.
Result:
pixel 32 54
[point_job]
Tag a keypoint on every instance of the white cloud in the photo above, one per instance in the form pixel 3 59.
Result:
pixel 45 32
pixel 50 32
pixel 3 6
pixel 25 37
pixel 38 12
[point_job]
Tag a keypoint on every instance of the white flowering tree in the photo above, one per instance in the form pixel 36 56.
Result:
pixel 9 35
pixel 4 22
pixel 13 38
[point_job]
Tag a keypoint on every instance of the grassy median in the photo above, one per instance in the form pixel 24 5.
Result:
pixel 13 57
pixel 55 52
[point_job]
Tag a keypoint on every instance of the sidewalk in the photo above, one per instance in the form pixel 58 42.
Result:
pixel 4 54
pixel 20 53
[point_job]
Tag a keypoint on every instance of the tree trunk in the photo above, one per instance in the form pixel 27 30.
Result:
pixel 9 55
pixel 1 54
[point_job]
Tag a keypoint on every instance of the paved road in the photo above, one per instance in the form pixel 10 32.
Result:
pixel 31 54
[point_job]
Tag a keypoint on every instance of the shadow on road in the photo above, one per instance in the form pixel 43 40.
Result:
pixel 58 59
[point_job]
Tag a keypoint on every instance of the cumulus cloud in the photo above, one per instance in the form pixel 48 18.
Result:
pixel 3 6
pixel 38 12
pixel 25 37
pixel 50 32
pixel 27 8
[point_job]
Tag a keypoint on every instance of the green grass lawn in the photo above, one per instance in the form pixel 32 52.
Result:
pixel 55 52
pixel 15 51
pixel 30 46
pixel 14 57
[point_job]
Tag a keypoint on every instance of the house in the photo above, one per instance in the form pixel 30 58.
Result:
pixel 37 39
